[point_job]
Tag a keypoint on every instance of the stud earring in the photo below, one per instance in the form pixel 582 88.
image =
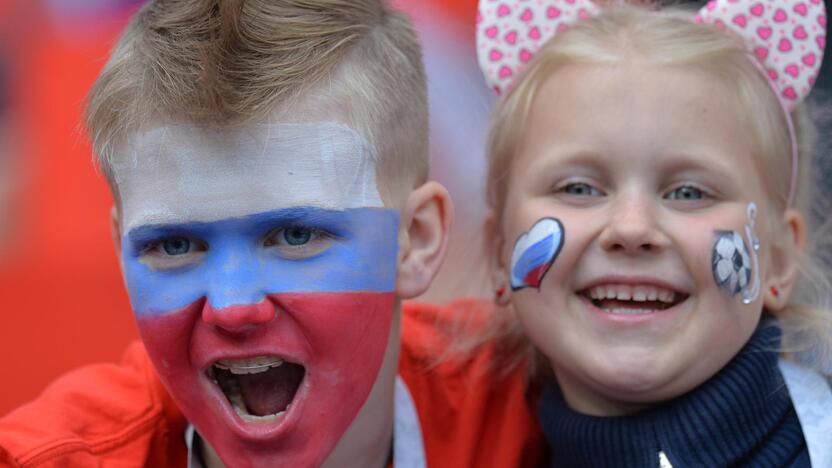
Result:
pixel 775 292
pixel 502 295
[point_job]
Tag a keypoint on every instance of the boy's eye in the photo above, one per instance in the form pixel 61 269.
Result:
pixel 297 242
pixel 686 193
pixel 297 235
pixel 581 189
pixel 176 246
pixel 172 252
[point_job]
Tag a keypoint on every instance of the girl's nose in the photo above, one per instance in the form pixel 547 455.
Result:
pixel 632 227
pixel 239 318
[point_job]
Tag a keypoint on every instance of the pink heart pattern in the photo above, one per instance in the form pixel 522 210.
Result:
pixel 783 36
pixel 508 36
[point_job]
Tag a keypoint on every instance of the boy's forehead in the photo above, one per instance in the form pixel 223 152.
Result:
pixel 184 173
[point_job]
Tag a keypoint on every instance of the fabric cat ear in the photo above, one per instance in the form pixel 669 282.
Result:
pixel 787 37
pixel 509 33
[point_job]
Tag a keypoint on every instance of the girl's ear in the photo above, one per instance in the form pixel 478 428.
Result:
pixel 784 264
pixel 423 238
pixel 494 243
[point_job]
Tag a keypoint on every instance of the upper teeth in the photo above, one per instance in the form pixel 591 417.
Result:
pixel 249 366
pixel 624 292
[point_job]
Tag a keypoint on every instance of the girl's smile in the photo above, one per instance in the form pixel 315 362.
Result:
pixel 642 165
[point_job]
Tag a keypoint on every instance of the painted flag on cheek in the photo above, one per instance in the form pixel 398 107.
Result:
pixel 268 330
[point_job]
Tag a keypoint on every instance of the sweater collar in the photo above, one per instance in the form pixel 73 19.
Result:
pixel 722 421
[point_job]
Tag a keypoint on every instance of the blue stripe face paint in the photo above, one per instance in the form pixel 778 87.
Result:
pixel 238 266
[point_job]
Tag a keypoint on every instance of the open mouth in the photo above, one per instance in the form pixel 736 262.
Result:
pixel 632 300
pixel 260 389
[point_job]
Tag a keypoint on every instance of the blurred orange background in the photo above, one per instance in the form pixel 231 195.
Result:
pixel 61 296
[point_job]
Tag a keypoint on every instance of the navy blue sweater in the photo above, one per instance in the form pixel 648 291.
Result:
pixel 742 416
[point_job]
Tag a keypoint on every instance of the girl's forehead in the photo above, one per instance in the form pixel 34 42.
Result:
pixel 183 173
pixel 632 113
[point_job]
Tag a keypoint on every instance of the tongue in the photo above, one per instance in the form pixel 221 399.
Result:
pixel 270 392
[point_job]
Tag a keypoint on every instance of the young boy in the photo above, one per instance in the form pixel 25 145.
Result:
pixel 269 163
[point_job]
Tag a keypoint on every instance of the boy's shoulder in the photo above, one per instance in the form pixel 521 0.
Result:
pixel 472 413
pixel 104 412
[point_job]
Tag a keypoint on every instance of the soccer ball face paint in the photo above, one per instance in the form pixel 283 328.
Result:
pixel 734 267
pixel 731 262
pixel 260 265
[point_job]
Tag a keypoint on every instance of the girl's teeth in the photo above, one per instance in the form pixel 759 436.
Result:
pixel 623 294
pixel 640 295
pixel 622 311
pixel 631 293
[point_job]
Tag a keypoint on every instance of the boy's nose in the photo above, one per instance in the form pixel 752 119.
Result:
pixel 236 288
pixel 632 227
pixel 241 317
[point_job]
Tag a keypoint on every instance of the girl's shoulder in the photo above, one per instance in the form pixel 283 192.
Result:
pixel 811 394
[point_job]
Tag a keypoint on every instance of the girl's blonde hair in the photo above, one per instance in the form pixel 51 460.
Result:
pixel 670 38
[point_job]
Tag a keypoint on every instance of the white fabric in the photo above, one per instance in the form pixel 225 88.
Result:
pixel 812 400
pixel 408 444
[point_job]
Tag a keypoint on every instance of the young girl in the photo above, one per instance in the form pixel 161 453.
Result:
pixel 645 184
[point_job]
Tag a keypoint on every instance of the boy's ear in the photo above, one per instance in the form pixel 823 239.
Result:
pixel 423 238
pixel 784 265
pixel 115 232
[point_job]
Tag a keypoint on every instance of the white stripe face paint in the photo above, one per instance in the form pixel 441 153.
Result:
pixel 180 172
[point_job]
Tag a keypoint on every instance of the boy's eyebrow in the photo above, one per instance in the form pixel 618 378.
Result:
pixel 306 214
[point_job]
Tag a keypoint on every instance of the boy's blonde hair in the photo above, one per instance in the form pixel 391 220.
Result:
pixel 672 39
pixel 232 62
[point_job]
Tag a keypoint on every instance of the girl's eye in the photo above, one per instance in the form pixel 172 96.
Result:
pixel 581 189
pixel 686 193
pixel 298 242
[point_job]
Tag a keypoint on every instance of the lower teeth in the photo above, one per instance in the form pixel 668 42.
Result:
pixel 630 311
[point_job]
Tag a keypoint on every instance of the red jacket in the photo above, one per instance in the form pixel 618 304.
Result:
pixel 121 416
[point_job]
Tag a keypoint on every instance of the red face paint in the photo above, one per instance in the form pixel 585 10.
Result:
pixel 339 338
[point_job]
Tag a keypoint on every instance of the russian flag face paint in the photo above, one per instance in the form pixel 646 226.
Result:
pixel 261 266
pixel 534 252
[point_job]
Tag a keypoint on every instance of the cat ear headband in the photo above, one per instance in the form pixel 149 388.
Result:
pixel 786 36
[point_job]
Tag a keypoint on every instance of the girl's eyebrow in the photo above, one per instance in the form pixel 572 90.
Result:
pixel 567 158
pixel 706 162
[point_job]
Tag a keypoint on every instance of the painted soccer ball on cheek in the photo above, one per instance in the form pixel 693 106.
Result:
pixel 268 327
pixel 733 265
